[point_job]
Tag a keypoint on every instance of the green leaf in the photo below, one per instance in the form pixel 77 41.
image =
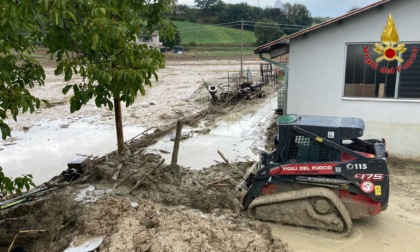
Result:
pixel 71 15
pixel 5 130
pixel 59 69
pixel 2 114
pixel 98 102
pixel 102 11
pixel 68 74
pixel 47 103
pixel 46 2
pixel 66 89
pixel 95 40
pixel 56 18
pixel 142 91
pixel 110 105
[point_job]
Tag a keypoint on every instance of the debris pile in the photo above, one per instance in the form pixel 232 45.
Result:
pixel 197 211
pixel 245 91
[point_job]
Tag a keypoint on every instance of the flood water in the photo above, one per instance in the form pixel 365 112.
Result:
pixel 239 136
pixel 45 149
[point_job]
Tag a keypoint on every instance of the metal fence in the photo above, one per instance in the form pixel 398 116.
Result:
pixel 231 81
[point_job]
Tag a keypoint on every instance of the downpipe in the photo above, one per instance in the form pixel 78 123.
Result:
pixel 286 80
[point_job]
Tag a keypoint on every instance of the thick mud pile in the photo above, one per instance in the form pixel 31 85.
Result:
pixel 197 211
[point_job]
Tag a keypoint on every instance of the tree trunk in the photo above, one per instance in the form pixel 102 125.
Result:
pixel 118 125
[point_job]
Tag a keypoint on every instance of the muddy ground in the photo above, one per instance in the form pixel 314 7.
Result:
pixel 197 211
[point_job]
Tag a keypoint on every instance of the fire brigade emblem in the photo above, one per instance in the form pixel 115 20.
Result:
pixel 389 49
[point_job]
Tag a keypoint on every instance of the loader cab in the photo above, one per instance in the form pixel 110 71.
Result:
pixel 294 147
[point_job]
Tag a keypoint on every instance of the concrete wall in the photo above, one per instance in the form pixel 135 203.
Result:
pixel 317 71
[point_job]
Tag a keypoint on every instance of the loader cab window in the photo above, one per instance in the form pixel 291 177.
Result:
pixel 303 149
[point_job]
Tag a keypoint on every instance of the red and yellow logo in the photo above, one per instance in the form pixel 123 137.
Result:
pixel 390 49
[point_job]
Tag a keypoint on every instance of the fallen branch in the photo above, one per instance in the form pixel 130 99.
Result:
pixel 131 139
pixel 133 173
pixel 178 113
pixel 224 159
pixel 89 156
pixel 139 151
pixel 232 98
pixel 139 182
pixel 218 181
pixel 23 232
pixel 117 172
pixel 219 185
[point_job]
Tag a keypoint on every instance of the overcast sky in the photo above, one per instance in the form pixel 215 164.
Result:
pixel 318 8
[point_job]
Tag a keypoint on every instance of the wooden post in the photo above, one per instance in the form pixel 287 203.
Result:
pixel 117 172
pixel 174 166
pixel 223 156
pixel 118 124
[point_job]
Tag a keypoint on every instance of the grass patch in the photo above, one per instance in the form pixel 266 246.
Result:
pixel 195 33
pixel 220 51
pixel 204 53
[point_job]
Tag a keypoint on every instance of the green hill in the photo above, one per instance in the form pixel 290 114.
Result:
pixel 212 34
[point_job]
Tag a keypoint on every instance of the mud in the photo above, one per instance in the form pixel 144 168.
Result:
pixel 198 211
pixel 39 137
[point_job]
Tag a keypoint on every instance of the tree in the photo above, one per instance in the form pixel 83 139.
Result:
pixel 205 4
pixel 355 7
pixel 93 39
pixel 301 15
pixel 96 40
pixel 267 30
pixel 318 20
pixel 276 14
pixel 18 72
pixel 169 35
pixel 236 12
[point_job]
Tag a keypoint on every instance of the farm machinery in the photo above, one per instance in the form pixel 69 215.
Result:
pixel 320 175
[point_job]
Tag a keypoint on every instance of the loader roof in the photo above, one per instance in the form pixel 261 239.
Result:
pixel 347 127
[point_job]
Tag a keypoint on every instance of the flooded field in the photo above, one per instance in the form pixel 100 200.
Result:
pixel 44 150
pixel 239 136
pixel 42 143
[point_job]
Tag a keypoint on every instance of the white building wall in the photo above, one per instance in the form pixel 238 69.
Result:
pixel 317 71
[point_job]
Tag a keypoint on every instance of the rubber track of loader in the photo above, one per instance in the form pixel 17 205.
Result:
pixel 302 194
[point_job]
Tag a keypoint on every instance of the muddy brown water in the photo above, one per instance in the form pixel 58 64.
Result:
pixel 239 136
pixel 393 230
pixel 46 147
